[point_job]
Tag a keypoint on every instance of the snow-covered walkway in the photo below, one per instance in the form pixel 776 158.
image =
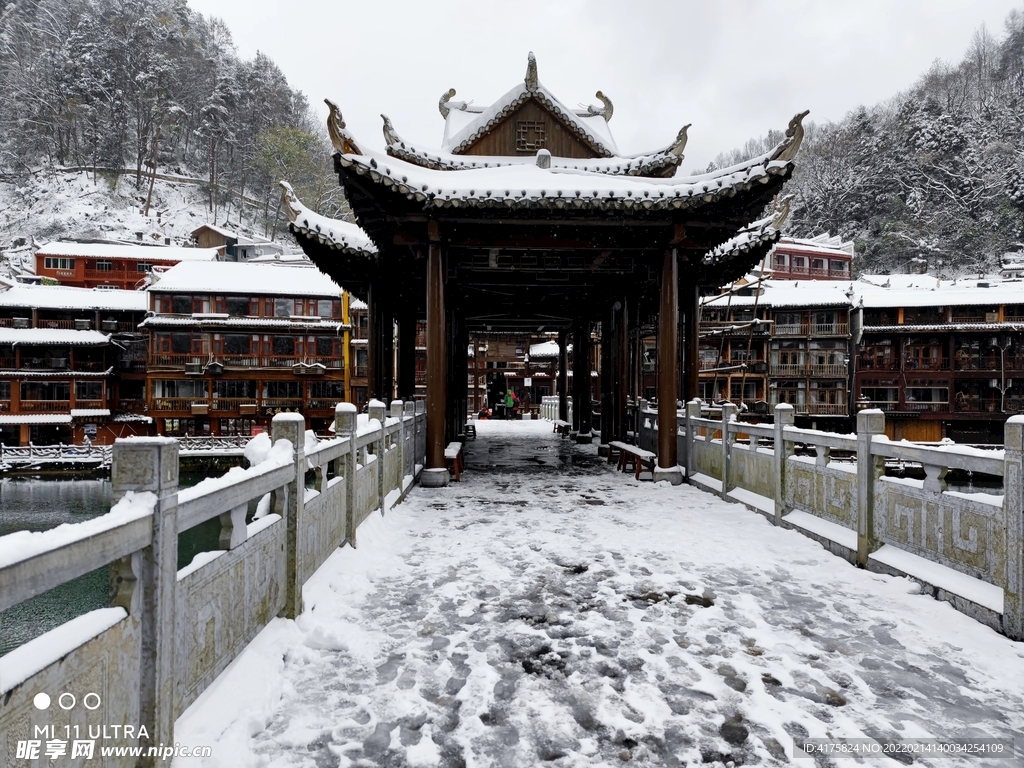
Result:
pixel 549 610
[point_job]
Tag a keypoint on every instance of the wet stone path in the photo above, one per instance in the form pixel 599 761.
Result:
pixel 549 611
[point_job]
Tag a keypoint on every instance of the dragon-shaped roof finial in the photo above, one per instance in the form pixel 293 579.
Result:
pixel 532 82
pixel 290 201
pixel 786 151
pixel 780 211
pixel 606 111
pixel 341 140
pixel 442 103
pixel 680 143
pixel 390 137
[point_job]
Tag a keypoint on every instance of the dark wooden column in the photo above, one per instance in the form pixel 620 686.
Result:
pixel 407 357
pixel 387 353
pixel 668 357
pixel 374 374
pixel 607 397
pixel 691 297
pixel 436 474
pixel 582 414
pixel 622 371
pixel 563 376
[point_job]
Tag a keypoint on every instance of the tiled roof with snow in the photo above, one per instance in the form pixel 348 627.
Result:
pixel 546 350
pixel 54 336
pixel 229 277
pixel 62 297
pixel 534 187
pixel 35 418
pixel 121 251
pixel 337 234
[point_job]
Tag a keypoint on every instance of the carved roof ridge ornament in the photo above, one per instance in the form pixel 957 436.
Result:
pixel 679 144
pixel 341 139
pixel 290 201
pixel 532 83
pixel 780 211
pixel 786 151
pixel 606 111
pixel 390 137
pixel 442 103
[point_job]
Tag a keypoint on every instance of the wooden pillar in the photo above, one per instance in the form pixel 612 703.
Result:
pixel 691 297
pixel 622 371
pixel 668 355
pixel 374 374
pixel 436 474
pixel 563 377
pixel 476 374
pixel 607 397
pixel 407 357
pixel 387 354
pixel 582 420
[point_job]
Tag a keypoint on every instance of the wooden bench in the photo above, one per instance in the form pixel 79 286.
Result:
pixel 615 449
pixel 453 459
pixel 470 430
pixel 638 458
pixel 562 427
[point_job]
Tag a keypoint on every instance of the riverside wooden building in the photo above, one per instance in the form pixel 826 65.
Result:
pixel 529 220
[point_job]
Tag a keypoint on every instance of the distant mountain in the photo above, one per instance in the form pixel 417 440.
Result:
pixel 119 91
pixel 936 173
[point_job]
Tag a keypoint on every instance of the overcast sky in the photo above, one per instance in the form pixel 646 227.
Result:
pixel 733 68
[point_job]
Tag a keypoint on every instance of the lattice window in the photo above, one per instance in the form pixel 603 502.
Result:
pixel 530 135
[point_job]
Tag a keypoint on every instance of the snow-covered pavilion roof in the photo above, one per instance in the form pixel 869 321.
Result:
pixel 29 295
pixel 122 251
pixel 465 124
pixel 230 277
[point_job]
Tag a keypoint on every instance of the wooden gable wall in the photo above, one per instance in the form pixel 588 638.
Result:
pixel 559 140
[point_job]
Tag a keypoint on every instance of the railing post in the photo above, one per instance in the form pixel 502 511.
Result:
pixel 289 503
pixel 729 411
pixel 784 417
pixel 692 412
pixel 345 428
pixel 145 583
pixel 869 468
pixel 1013 509
pixel 377 411
pixel 397 408
pixel 409 427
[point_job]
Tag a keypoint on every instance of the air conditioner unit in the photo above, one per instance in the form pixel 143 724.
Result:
pixel 21 322
pixel 247 409
pixel 759 367
pixel 215 369
pixel 83 324
pixel 194 369
pixel 200 409
pixel 991 317
pixel 58 362
pixel 108 325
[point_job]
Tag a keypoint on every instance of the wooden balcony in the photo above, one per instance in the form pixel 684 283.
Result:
pixel 5 406
pixel 828 370
pixel 830 329
pixel 171 404
pixel 794 329
pixel 232 404
pixel 282 403
pixel 46 406
pixel 795 370
pixel 826 409
pixel 7 363
pixel 927 407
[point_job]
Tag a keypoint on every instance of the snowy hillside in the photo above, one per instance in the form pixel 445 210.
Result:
pixel 55 206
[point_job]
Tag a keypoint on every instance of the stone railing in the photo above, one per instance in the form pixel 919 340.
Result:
pixel 966 546
pixel 170 632
pixel 32 455
pixel 549 408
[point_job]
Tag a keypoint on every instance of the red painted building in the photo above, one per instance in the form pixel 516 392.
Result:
pixel 817 258
pixel 111 265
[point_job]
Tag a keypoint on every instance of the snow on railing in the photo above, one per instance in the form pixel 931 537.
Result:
pixel 846 501
pixel 173 631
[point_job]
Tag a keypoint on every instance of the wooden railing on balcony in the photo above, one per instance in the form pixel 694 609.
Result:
pixel 830 370
pixel 45 406
pixel 826 409
pixel 177 403
pixel 83 404
pixel 928 407
pixel 791 329
pixel 788 369
pixel 282 403
pixel 44 363
pixel 830 329
pixel 233 403
pixel 7 363
pixel 131 406
pixel 5 406
pixel 927 365
pixel 875 364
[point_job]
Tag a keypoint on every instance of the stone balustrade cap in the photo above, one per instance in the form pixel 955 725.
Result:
pixel 289 417
pixel 345 408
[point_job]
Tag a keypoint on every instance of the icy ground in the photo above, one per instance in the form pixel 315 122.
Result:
pixel 547 610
